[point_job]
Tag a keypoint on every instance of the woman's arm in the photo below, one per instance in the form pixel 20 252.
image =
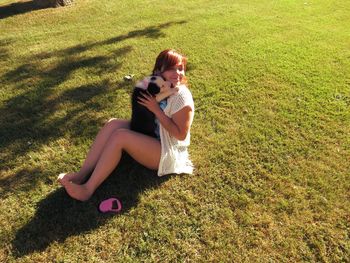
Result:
pixel 177 126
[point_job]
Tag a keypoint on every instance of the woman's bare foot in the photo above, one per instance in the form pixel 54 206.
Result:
pixel 73 177
pixel 76 191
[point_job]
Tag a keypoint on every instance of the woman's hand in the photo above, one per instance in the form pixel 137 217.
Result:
pixel 149 102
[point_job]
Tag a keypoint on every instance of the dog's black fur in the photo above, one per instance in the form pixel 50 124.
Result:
pixel 143 120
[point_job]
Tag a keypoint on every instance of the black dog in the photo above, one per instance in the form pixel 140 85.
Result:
pixel 143 120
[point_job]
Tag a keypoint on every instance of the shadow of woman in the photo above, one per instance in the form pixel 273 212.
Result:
pixel 58 216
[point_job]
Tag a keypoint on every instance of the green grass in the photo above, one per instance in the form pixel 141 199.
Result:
pixel 270 138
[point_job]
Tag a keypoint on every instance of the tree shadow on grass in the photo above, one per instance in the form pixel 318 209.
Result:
pixel 32 118
pixel 4 53
pixel 18 8
pixel 58 216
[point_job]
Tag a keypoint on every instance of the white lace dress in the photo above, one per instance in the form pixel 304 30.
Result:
pixel 174 155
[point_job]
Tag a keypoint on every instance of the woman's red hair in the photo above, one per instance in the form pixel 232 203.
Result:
pixel 168 59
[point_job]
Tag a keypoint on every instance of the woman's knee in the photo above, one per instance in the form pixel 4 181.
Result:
pixel 115 124
pixel 119 137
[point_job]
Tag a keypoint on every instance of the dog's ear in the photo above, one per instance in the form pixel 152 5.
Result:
pixel 153 88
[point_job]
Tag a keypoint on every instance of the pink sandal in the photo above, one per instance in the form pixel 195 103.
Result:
pixel 111 205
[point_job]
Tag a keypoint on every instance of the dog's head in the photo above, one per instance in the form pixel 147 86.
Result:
pixel 158 87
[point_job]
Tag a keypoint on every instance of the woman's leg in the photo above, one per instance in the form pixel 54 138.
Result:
pixel 144 149
pixel 95 151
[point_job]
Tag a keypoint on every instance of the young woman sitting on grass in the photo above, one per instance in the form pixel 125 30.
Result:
pixel 168 154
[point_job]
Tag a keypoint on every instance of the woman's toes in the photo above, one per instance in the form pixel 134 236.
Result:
pixel 61 177
pixel 78 192
pixel 70 177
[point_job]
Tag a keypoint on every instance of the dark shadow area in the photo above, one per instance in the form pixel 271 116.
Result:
pixel 58 216
pixel 18 8
pixel 3 53
pixel 4 50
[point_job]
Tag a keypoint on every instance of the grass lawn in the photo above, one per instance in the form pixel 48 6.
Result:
pixel 270 138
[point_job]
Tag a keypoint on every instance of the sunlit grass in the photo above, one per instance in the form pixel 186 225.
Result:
pixel 270 139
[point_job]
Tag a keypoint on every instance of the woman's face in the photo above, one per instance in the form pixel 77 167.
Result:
pixel 175 74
